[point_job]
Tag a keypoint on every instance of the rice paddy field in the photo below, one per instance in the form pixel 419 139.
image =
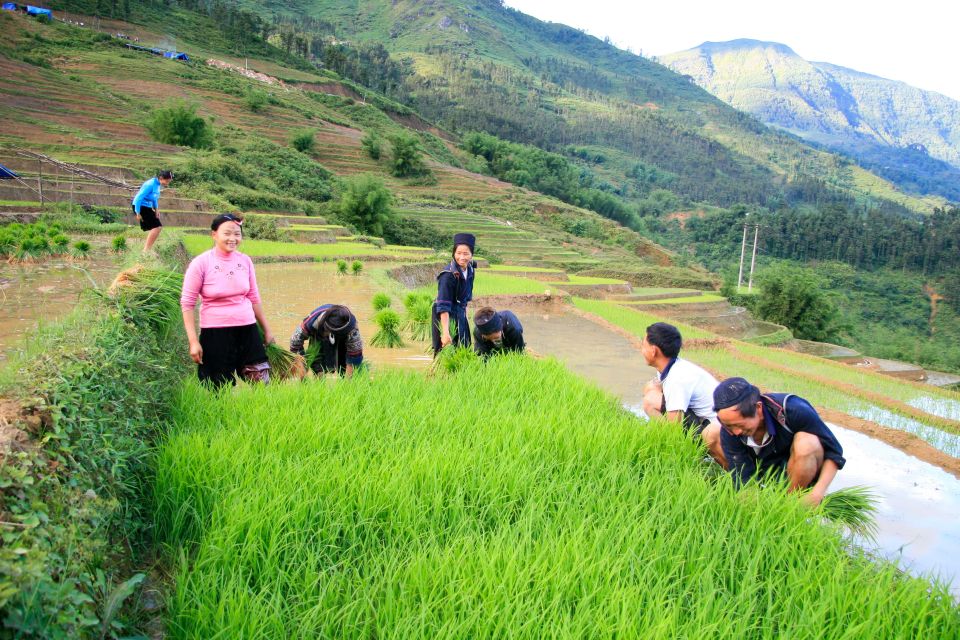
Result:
pixel 539 508
pixel 196 244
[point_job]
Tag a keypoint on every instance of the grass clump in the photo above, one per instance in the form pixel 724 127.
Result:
pixel 540 510
pixel 381 301
pixel 388 334
pixel 419 310
pixel 31 242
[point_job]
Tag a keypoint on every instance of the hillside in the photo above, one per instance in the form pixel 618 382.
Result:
pixel 908 135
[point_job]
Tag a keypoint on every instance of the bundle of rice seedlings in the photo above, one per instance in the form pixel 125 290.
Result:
pixel 419 309
pixel 148 297
pixel 341 267
pixel 854 508
pixel 451 359
pixel 389 334
pixel 81 249
pixel 284 364
pixel 381 301
pixel 356 267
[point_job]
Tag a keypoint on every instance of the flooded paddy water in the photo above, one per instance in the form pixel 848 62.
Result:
pixel 32 294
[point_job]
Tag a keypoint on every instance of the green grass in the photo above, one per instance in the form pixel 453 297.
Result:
pixel 520 269
pixel 707 297
pixel 575 279
pixel 491 284
pixel 634 321
pixel 358 509
pixel 260 248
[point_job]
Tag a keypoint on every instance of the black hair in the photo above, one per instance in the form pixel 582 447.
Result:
pixel 225 217
pixel 667 337
pixel 166 174
pixel 736 393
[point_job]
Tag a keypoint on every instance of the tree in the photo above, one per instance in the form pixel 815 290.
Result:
pixel 372 144
pixel 179 124
pixel 365 204
pixel 407 156
pixel 794 297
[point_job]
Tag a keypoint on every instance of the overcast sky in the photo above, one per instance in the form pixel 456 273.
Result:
pixel 915 42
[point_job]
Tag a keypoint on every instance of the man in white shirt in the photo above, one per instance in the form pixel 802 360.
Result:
pixel 682 392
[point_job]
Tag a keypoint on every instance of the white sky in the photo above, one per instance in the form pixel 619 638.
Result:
pixel 914 42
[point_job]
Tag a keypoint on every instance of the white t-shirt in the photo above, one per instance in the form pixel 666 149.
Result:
pixel 689 387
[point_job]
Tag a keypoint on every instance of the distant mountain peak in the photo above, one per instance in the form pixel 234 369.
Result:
pixel 744 44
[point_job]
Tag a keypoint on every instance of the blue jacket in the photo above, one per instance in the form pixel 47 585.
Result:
pixel 781 425
pixel 512 337
pixel 148 196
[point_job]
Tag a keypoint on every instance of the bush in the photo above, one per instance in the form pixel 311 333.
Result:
pixel 303 141
pixel 413 233
pixel 261 228
pixel 365 204
pixel 407 155
pixel 179 124
pixel 255 100
pixel 373 145
pixel 794 297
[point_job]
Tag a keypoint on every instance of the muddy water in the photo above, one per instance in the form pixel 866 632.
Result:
pixel 43 292
pixel 588 349
pixel 291 291
pixel 918 508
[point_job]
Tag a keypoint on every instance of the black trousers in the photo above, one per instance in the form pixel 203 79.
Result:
pixel 227 350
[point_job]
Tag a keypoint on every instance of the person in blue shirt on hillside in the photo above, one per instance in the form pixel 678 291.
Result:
pixel 776 433
pixel 145 205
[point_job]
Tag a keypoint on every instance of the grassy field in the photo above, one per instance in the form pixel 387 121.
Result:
pixel 538 509
pixel 196 244
pixel 635 322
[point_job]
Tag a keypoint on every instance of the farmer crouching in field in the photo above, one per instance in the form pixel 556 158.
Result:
pixel 776 433
pixel 496 332
pixel 146 204
pixel 682 391
pixel 333 328
pixel 454 291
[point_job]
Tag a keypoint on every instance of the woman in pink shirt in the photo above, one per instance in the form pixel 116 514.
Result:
pixel 223 278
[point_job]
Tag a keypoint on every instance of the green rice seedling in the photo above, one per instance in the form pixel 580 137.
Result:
pixel 341 267
pixel 284 364
pixel 61 243
pixel 381 301
pixel 412 506
pixel 854 508
pixel 452 359
pixel 81 249
pixel 356 267
pixel 388 334
pixel 119 244
pixel 419 310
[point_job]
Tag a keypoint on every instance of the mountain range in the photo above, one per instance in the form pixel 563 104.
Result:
pixel 905 134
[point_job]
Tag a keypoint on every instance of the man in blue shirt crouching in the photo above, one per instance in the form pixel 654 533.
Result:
pixel 776 433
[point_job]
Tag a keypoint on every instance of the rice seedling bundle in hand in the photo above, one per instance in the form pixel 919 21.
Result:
pixel 854 508
pixel 419 311
pixel 388 334
pixel 512 500
pixel 452 359
pixel 284 364
pixel 381 301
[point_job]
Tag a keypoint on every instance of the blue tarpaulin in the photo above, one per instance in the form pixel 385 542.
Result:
pixel 7 174
pixel 176 55
pixel 39 11
pixel 9 6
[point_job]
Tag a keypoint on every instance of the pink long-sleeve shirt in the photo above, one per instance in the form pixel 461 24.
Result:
pixel 227 286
